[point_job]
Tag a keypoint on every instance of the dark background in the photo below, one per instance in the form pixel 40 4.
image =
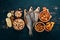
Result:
pixel 11 34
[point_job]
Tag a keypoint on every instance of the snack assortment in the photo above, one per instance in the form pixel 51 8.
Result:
pixel 15 20
pixel 44 17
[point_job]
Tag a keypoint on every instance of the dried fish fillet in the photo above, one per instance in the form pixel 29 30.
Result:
pixel 25 13
pixel 29 24
pixel 36 13
pixel 31 13
pixel 28 21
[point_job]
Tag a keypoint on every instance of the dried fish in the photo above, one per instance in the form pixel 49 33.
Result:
pixel 25 12
pixel 28 21
pixel 36 12
pixel 31 13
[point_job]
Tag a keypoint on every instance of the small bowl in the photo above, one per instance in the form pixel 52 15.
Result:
pixel 39 26
pixel 18 24
pixel 44 16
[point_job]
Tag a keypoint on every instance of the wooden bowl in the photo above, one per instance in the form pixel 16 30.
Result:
pixel 39 26
pixel 18 24
pixel 44 16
